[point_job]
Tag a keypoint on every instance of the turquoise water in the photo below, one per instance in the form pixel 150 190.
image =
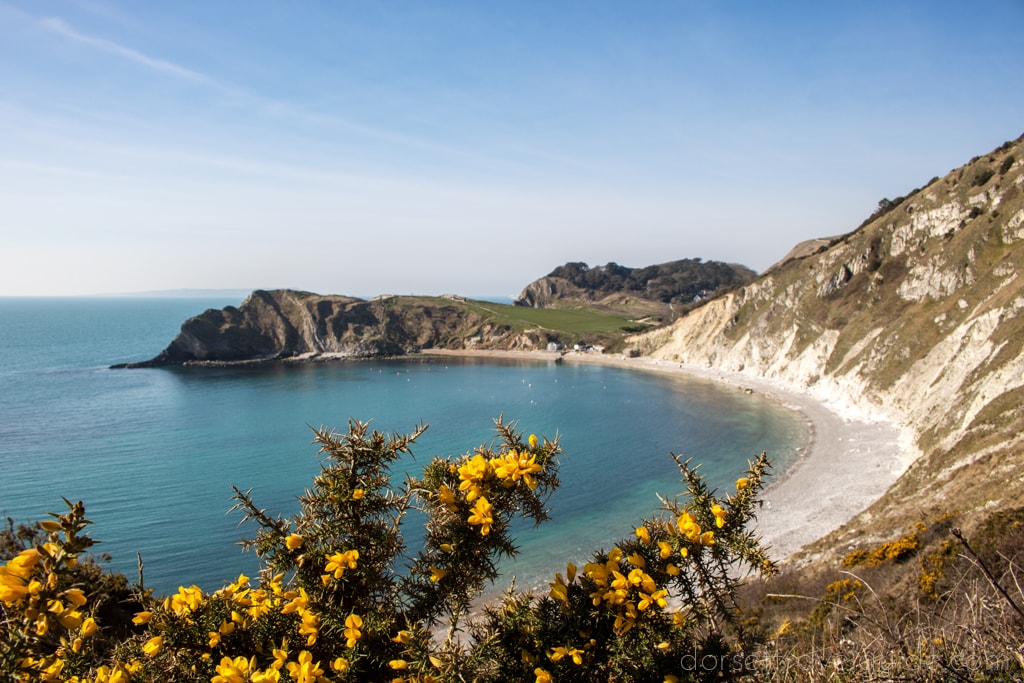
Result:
pixel 154 452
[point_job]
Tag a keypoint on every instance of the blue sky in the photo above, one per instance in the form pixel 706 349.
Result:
pixel 470 147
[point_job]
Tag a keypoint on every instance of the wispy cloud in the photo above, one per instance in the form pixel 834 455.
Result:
pixel 60 27
pixel 274 108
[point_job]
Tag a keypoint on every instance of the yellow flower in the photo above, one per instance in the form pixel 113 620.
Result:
pixel 305 670
pixel 643 534
pixel 353 623
pixel 742 483
pixel 309 627
pixel 186 600
pixel 719 512
pixel 268 676
pixel 403 637
pixel 446 495
pixel 339 562
pixel 23 563
pixel 557 653
pixel 513 466
pixel 89 627
pixel 233 670
pixel 398 664
pixel 293 541
pixel 637 560
pixel 472 475
pixel 340 665
pixel 447 547
pixel 75 596
pixel 655 598
pixel 436 574
pixel 707 538
pixel 70 619
pixel 142 618
pixel 559 590
pixel 358 494
pixel 481 515
pixel 542 675
pixel 687 524
pixel 153 645
pixel 280 658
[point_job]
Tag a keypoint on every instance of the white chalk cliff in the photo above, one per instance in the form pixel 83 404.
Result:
pixel 916 316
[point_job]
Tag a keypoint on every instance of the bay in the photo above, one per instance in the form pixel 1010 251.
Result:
pixel 153 452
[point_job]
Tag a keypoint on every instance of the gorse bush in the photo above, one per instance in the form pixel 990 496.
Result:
pixel 340 597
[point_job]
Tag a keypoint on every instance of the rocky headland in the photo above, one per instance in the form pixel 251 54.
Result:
pixel 290 325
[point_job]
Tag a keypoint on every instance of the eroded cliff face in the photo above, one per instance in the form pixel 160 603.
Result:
pixel 288 324
pixel 917 317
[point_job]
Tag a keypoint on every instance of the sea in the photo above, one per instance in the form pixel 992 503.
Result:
pixel 153 453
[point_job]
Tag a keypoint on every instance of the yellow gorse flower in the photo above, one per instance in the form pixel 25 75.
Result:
pixel 89 627
pixel 293 541
pixel 305 670
pixel 353 623
pixel 719 512
pixel 339 562
pixel 481 515
pixel 472 475
pixel 186 600
pixel 233 670
pixel 514 466
pixel 153 646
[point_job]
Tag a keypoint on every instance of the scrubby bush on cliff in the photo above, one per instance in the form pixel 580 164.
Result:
pixel 930 605
pixel 339 598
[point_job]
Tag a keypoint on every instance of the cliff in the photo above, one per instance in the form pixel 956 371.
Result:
pixel 915 316
pixel 288 324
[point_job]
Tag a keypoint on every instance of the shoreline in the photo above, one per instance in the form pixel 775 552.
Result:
pixel 848 462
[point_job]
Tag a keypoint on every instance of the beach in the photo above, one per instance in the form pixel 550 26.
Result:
pixel 848 463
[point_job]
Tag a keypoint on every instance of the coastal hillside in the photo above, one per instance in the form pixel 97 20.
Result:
pixel 289 325
pixel 661 291
pixel 916 316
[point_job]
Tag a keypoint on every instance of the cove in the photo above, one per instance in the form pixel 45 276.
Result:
pixel 153 452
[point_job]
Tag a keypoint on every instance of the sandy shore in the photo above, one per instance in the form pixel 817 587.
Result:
pixel 848 464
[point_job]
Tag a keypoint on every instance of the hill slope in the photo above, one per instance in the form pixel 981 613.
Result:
pixel 916 315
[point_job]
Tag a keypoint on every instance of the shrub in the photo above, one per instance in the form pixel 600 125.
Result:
pixel 340 598
pixel 982 176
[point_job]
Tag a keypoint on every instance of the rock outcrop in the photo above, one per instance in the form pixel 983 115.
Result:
pixel 660 291
pixel 917 316
pixel 287 325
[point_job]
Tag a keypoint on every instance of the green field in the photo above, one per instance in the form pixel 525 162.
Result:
pixel 573 321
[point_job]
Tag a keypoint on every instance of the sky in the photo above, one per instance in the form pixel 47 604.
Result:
pixel 365 147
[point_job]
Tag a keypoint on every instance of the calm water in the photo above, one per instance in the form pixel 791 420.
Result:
pixel 154 452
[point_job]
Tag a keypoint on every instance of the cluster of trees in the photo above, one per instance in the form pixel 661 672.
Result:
pixel 673 282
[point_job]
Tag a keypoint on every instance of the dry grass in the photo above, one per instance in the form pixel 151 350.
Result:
pixel 953 610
